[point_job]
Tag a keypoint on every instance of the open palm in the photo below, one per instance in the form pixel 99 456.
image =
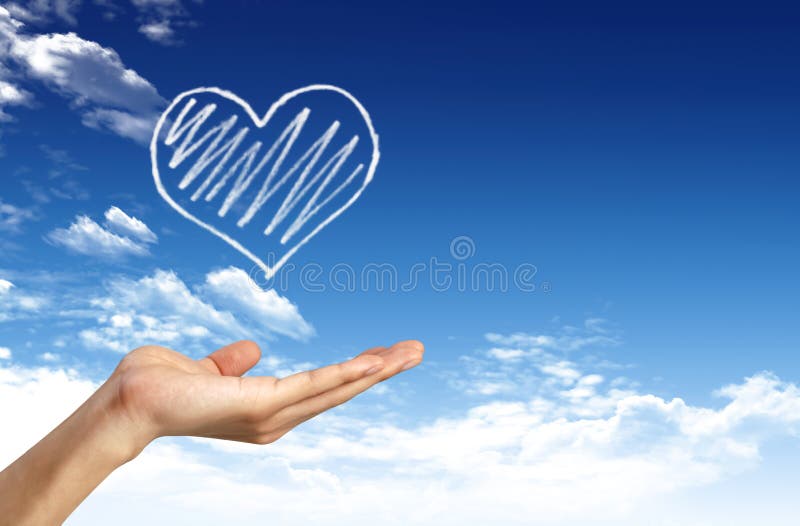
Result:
pixel 168 393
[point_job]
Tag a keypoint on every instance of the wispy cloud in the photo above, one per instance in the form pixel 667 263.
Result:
pixel 547 363
pixel 160 18
pixel 12 217
pixel 15 304
pixel 158 31
pixel 61 161
pixel 43 11
pixel 594 332
pixel 59 182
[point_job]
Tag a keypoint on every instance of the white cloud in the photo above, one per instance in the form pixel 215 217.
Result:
pixel 123 224
pixel 17 304
pixel 108 94
pixel 85 71
pixel 504 462
pixel 13 217
pixel 158 31
pixel 161 17
pixel 36 400
pixel 138 128
pixel 521 339
pixel 543 363
pixel 233 288
pixel 162 309
pixel 12 95
pixel 157 309
pixel 496 463
pixel 593 333
pixel 49 357
pixel 510 355
pixel 5 353
pixel 84 236
pixel 563 370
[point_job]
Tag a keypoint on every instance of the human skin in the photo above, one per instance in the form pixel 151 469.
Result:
pixel 157 392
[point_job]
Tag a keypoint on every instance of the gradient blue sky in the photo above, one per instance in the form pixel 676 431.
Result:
pixel 644 158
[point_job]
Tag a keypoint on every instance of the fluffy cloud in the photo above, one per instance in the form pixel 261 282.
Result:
pixel 502 462
pixel 162 309
pixel 12 95
pixel 122 236
pixel 36 400
pixel 495 463
pixel 5 353
pixel 122 313
pixel 157 309
pixel 84 71
pixel 108 94
pixel 233 288
pixel 84 236
pixel 125 225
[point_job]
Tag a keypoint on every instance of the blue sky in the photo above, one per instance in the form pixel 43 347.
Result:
pixel 643 159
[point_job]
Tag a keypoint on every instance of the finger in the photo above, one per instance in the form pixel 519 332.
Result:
pixel 400 357
pixel 302 385
pixel 234 359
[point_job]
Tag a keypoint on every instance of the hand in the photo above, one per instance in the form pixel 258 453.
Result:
pixel 155 392
pixel 164 392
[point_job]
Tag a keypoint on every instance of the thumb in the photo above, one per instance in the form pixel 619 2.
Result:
pixel 234 359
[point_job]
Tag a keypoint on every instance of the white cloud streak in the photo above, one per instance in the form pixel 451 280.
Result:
pixel 158 31
pixel 12 217
pixel 15 304
pixel 41 11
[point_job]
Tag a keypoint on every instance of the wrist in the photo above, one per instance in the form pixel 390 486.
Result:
pixel 123 434
pixel 53 477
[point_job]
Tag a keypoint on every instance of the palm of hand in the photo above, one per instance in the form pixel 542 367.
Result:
pixel 172 394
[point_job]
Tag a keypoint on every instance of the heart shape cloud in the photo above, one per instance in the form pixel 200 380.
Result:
pixel 277 190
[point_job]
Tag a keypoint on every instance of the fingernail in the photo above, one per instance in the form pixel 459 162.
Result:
pixel 374 369
pixel 409 364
